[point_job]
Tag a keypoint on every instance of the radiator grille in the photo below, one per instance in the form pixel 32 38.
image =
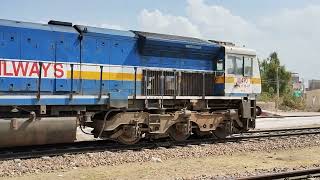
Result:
pixel 169 83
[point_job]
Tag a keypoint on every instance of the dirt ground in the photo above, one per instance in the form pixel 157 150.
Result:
pixel 187 168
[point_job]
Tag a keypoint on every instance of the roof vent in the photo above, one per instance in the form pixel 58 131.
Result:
pixel 223 43
pixel 59 23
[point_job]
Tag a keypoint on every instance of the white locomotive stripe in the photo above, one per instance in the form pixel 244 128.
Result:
pixel 77 65
pixel 52 96
pixel 188 97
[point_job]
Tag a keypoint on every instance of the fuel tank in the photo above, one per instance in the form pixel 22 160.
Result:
pixel 28 131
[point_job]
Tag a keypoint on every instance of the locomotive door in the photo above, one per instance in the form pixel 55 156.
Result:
pixel 67 63
pixel 125 78
pixel 95 56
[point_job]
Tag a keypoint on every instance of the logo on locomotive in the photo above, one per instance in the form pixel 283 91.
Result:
pixel 243 84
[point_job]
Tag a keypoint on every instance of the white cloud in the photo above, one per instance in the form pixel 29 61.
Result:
pixel 298 21
pixel 218 22
pixel 156 21
pixel 202 20
pixel 294 33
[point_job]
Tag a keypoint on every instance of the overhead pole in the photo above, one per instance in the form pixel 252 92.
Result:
pixel 278 88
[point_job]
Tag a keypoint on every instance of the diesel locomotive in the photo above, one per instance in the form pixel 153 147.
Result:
pixel 124 85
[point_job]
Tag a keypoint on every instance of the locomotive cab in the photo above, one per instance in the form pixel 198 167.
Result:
pixel 242 76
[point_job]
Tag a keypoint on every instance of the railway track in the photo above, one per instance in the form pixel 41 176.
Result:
pixel 300 174
pixel 278 132
pixel 102 145
pixel 289 116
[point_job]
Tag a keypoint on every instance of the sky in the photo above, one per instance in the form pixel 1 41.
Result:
pixel 289 27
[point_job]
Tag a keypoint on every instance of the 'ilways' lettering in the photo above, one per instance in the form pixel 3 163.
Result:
pixel 31 69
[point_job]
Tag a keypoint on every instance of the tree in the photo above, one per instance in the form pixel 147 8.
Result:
pixel 269 68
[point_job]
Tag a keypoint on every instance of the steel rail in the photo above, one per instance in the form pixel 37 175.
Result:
pixel 279 116
pixel 279 130
pixel 299 174
pixel 37 151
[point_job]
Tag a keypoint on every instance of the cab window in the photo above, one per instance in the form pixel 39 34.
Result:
pixel 247 66
pixel 219 65
pixel 239 66
pixel 231 65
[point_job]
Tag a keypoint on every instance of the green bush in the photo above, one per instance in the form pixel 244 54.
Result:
pixel 265 97
pixel 292 102
pixel 286 102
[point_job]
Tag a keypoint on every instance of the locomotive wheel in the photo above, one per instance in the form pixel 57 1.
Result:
pixel 179 132
pixel 221 133
pixel 258 111
pixel 128 137
pixel 199 133
pixel 124 139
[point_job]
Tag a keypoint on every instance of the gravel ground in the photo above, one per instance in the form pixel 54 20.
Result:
pixel 70 162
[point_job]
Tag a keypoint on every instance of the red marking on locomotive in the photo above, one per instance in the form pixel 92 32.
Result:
pixel 59 73
pixel 5 70
pixel 20 68
pixel 30 69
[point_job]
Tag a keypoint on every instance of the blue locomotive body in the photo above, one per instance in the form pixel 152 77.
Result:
pixel 123 84
pixel 27 48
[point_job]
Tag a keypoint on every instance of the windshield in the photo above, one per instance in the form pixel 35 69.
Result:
pixel 239 65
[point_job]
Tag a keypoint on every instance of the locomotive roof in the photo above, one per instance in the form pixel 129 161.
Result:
pixel 240 50
pixel 167 37
pixel 104 31
pixel 45 27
